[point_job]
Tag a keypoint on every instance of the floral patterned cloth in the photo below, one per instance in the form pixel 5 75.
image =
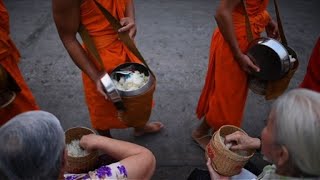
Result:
pixel 115 171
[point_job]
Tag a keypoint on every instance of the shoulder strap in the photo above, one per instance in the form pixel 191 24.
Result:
pixel 90 45
pixel 280 27
pixel 124 36
pixel 248 25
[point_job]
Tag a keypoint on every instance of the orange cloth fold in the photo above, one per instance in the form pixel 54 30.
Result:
pixel 223 97
pixel 9 57
pixel 113 52
pixel 312 78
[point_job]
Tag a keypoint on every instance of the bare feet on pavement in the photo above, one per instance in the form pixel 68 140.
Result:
pixel 201 137
pixel 149 128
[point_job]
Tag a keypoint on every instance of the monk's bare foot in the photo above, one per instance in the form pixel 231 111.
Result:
pixel 202 130
pixel 197 133
pixel 201 137
pixel 149 128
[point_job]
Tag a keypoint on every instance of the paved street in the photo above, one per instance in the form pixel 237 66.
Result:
pixel 174 37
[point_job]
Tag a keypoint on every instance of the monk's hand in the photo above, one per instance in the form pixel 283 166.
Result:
pixel 129 25
pixel 213 174
pixel 272 29
pixel 246 64
pixel 100 87
pixel 241 141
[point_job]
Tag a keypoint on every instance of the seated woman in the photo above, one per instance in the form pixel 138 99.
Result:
pixel 33 147
pixel 290 140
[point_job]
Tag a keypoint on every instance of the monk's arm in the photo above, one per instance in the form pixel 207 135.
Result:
pixel 130 12
pixel 224 20
pixel 128 22
pixel 66 14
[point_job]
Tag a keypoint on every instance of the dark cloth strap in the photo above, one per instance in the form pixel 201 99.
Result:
pixel 280 27
pixel 90 45
pixel 248 25
pixel 123 36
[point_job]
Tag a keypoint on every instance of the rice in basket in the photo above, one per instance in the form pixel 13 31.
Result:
pixel 228 146
pixel 74 149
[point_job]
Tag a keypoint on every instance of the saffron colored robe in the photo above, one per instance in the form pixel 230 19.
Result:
pixel 223 97
pixel 9 58
pixel 113 52
pixel 312 78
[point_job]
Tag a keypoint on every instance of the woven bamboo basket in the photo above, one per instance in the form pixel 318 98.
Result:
pixel 224 161
pixel 80 164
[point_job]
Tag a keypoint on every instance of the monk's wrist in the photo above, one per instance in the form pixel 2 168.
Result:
pixel 238 55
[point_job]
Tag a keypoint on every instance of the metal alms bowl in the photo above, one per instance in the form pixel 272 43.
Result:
pixel 7 96
pixel 271 57
pixel 133 67
pixel 3 78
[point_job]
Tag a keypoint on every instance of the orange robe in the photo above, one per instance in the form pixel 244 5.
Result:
pixel 9 58
pixel 223 97
pixel 312 78
pixel 113 52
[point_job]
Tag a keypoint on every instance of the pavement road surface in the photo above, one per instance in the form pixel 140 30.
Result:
pixel 174 36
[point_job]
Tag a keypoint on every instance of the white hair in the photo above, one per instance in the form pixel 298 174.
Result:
pixel 32 146
pixel 297 127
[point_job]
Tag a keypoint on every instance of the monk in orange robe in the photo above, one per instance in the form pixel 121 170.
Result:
pixel 68 15
pixel 9 58
pixel 312 78
pixel 224 95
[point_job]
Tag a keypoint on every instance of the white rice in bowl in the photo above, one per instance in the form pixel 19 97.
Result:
pixel 131 82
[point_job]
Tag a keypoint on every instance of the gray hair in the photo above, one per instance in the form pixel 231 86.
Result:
pixel 32 146
pixel 297 127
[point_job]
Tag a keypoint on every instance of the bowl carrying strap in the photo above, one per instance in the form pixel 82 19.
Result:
pixel 248 25
pixel 123 36
pixel 90 45
pixel 279 22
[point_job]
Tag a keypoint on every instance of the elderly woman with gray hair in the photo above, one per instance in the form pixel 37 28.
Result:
pixel 33 147
pixel 291 139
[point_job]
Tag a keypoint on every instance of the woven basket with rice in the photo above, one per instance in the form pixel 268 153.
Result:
pixel 78 160
pixel 223 160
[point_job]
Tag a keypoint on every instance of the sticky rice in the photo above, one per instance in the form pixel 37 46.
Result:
pixel 228 146
pixel 131 82
pixel 74 149
pixel 292 59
